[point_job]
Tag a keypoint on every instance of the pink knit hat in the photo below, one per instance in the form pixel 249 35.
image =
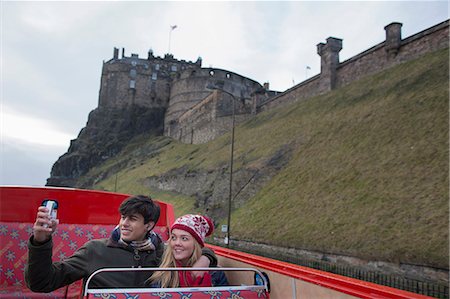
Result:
pixel 197 225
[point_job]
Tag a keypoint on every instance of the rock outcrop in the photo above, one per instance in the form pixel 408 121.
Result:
pixel 107 131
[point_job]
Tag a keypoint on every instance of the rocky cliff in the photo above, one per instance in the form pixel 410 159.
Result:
pixel 107 131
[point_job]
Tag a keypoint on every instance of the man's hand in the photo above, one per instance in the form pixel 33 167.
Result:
pixel 202 262
pixel 42 234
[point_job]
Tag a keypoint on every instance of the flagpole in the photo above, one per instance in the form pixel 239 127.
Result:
pixel 172 28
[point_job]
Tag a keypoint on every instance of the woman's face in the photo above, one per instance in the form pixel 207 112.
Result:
pixel 182 244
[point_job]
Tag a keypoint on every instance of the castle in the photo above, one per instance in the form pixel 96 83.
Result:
pixel 182 100
pixel 199 102
pixel 184 90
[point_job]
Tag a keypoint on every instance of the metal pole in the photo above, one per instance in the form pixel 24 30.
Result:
pixel 231 171
pixel 172 28
pixel 170 35
pixel 230 195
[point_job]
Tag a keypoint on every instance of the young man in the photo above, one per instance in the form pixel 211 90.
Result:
pixel 132 244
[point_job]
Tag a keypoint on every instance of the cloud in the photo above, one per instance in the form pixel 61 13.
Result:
pixel 52 52
pixel 60 18
pixel 25 163
pixel 27 128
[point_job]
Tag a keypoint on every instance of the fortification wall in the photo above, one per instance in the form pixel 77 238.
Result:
pixel 194 126
pixel 304 90
pixel 380 57
pixel 210 118
pixel 193 86
pixel 183 89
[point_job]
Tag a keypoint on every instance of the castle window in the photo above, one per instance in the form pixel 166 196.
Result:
pixel 157 67
pixel 211 73
pixel 132 84
pixel 228 75
pixel 154 76
pixel 133 63
pixel 174 68
pixel 133 73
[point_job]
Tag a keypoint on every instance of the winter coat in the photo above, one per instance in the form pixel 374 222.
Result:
pixel 41 275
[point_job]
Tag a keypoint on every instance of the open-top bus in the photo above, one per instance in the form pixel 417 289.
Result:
pixel 87 214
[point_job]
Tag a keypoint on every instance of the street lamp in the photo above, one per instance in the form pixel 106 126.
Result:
pixel 230 195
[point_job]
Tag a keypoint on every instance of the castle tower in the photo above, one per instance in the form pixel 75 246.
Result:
pixel 393 38
pixel 329 54
pixel 131 80
pixel 193 86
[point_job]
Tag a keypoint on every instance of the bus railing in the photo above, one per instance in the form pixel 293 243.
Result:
pixel 259 289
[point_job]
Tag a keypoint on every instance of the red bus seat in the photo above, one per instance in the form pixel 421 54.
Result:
pixel 67 238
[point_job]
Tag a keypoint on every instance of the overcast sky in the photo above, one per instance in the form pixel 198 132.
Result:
pixel 52 53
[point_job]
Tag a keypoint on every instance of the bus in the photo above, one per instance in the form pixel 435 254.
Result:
pixel 88 214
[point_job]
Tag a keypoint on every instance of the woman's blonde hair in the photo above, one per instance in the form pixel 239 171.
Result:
pixel 170 279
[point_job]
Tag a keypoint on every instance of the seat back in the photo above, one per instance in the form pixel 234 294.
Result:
pixel 84 215
pixel 66 239
pixel 252 291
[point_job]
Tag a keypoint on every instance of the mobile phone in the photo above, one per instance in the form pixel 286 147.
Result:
pixel 52 206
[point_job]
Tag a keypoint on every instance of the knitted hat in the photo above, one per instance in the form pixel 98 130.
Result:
pixel 197 225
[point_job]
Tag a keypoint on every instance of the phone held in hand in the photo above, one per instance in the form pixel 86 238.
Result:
pixel 52 206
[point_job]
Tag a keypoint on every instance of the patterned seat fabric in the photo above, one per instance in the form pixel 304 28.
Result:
pixel 209 294
pixel 67 238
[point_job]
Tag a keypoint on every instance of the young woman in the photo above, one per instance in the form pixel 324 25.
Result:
pixel 187 236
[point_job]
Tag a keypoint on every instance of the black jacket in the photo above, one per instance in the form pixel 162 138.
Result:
pixel 41 275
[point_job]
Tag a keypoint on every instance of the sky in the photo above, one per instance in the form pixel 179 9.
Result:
pixel 52 54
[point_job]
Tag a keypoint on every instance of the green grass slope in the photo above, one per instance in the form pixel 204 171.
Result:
pixel 368 175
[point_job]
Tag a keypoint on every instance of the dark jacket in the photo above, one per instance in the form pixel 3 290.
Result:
pixel 218 278
pixel 41 275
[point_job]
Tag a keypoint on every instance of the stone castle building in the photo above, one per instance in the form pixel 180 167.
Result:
pixel 197 114
pixel 183 89
pixel 182 100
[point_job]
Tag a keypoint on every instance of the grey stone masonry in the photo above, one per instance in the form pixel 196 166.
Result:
pixel 334 74
pixel 329 58
pixel 393 38
pixel 182 89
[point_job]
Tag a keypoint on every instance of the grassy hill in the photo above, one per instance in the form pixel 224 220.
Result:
pixel 367 174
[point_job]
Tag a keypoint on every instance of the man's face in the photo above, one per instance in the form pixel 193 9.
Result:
pixel 132 227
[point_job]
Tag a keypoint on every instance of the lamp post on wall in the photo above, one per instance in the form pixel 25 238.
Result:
pixel 230 194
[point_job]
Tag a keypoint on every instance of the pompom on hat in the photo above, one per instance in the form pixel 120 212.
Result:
pixel 197 225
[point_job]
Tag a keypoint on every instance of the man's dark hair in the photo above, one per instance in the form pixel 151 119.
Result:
pixel 140 204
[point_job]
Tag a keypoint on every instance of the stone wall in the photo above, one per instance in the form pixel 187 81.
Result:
pixel 383 56
pixel 387 54
pixel 194 126
pixel 304 90
pixel 210 118
pixel 193 87
pixel 183 89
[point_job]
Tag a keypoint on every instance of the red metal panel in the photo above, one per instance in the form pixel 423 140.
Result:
pixel 336 282
pixel 19 204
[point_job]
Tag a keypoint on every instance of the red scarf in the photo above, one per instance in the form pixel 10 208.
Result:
pixel 188 280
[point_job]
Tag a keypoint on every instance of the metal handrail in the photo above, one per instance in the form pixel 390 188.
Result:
pixel 103 270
